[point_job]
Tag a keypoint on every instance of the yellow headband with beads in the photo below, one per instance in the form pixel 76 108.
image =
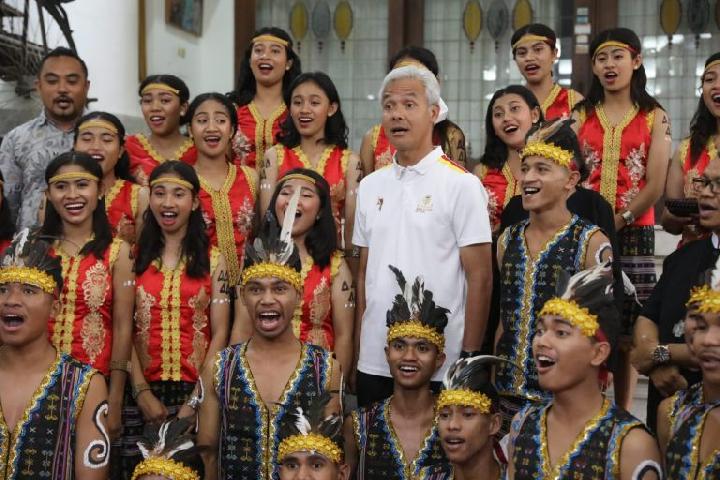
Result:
pixel 99 123
pixel 298 176
pixel 28 276
pixel 465 398
pixel 270 38
pixel 266 269
pixel 64 177
pixel 562 157
pixel 710 65
pixel 159 86
pixel 164 467
pixel 175 180
pixel 704 299
pixel 573 313
pixel 532 38
pixel 416 329
pixel 311 442
pixel 613 43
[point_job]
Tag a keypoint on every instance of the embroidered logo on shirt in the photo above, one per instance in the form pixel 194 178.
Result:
pixel 425 205
pixel 379 203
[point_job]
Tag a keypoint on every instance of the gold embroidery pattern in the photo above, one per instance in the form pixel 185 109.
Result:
pixel 635 164
pixel 170 308
pixel 64 323
pixel 134 205
pixel 322 161
pixel 251 177
pixel 241 145
pixel 511 183
pixel 263 129
pixel 143 306
pixel 383 158
pixel 572 99
pixel 155 155
pixel 95 288
pixel 319 310
pixel 612 143
pixel 550 99
pixel 199 304
pixel 113 193
pixel 412 467
pixel 307 265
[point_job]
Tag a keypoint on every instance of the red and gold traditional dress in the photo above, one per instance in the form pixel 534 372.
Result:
pixel 559 102
pixel 144 158
pixel 172 321
pixel 83 329
pixel 452 143
pixel 228 215
pixel 255 134
pixel 121 206
pixel 332 165
pixel 313 320
pixel 4 244
pixel 501 186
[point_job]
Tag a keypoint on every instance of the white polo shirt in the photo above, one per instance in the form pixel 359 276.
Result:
pixel 417 218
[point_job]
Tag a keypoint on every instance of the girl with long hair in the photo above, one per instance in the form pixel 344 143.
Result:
pixel 164 103
pixel 268 68
pixel 182 310
pixel 694 153
pixel 102 136
pixel 534 50
pixel 325 316
pixel 95 322
pixel 511 114
pixel 314 136
pixel 227 192
pixel 625 137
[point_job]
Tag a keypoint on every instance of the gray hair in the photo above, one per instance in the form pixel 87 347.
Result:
pixel 432 87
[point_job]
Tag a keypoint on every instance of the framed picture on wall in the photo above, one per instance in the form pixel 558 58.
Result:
pixel 186 15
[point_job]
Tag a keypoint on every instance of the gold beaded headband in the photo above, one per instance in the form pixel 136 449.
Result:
pixel 164 467
pixel 710 65
pixel 175 180
pixel 160 86
pixel 465 398
pixel 267 269
pixel 311 442
pixel 532 38
pixel 613 43
pixel 562 157
pixel 64 177
pixel 99 123
pixel 410 62
pixel 574 314
pixel 704 299
pixel 28 276
pixel 266 37
pixel 298 176
pixel 416 329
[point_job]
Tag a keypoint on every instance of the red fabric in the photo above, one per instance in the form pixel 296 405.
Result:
pixel 560 107
pixel 121 204
pixel 254 134
pixel 499 191
pixel 383 150
pixel 143 161
pixel 4 244
pixel 316 321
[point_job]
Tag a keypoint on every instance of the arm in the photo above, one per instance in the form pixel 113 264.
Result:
pixel 242 328
pixel 152 409
pixel 143 201
pixel 123 279
pixel 476 261
pixel 597 240
pixel 219 311
pixel 353 175
pixel 500 254
pixel 646 338
pixel 209 422
pixel 663 424
pixel 335 388
pixel 674 188
pixel 268 170
pixel 656 170
pixel 359 310
pixel 92 444
pixel 638 447
pixel 343 312
pixel 12 173
pixel 350 444
pixel 366 152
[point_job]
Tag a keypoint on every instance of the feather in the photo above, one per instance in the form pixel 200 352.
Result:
pixel 301 422
pixel 287 226
pixel 548 129
pixel 471 373
pixel 399 277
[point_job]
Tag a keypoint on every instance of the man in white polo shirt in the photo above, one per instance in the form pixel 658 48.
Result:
pixel 427 216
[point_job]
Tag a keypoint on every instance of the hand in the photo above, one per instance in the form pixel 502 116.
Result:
pixel 667 379
pixel 152 409
pixel 641 356
pixel 113 421
pixel 352 381
pixel 619 222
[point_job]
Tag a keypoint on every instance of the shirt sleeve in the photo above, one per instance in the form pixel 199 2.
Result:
pixel 652 307
pixel 12 175
pixel 470 217
pixel 360 234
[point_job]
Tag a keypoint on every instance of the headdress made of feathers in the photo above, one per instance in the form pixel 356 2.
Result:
pixel 468 383
pixel 415 314
pixel 273 253
pixel 28 260
pixel 312 431
pixel 705 298
pixel 553 140
pixel 167 450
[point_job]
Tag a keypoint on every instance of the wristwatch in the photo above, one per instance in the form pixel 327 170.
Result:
pixel 661 355
pixel 628 216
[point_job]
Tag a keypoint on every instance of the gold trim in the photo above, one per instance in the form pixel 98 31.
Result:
pixel 550 99
pixel 375 136
pixel 705 299
pixel 560 156
pixel 415 329
pixel 511 183
pixel 612 43
pixel 573 313
pixel 175 180
pixel 464 398
pixel 307 265
pixel 159 86
pixel 170 322
pixel 322 161
pixel 529 37
pixel 113 193
pixel 164 467
pixel 28 276
pixel 65 321
pixel 266 37
pixel 264 137
pixel 311 442
pixel 612 145
pixel 98 123
pixel 297 176
pixel 147 146
pixel 134 202
pixel 267 269
pixel 251 178
pixel 64 177
pixel 408 468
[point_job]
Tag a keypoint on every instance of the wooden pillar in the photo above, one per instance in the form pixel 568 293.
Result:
pixel 603 14
pixel 405 24
pixel 244 28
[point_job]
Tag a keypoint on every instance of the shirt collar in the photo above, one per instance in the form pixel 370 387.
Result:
pixel 715 240
pixel 422 167
pixel 44 120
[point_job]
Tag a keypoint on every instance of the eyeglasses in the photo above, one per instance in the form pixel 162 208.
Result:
pixel 699 183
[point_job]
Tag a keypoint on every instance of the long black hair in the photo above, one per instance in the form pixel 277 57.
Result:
pixel 421 54
pixel 321 240
pixel 53 225
pixel 122 167
pixel 222 100
pixel 703 124
pixel 336 130
pixel 196 243
pixel 7 226
pixel 534 29
pixel 171 81
pixel 496 151
pixel 596 93
pixel 246 88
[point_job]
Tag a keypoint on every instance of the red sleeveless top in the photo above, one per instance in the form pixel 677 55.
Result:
pixel 559 103
pixel 121 206
pixel 144 158
pixel 83 329
pixel 172 321
pixel 617 156
pixel 255 134
pixel 501 186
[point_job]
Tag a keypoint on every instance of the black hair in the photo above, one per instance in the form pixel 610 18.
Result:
pixel 565 138
pixel 336 130
pixel 7 226
pixel 321 240
pixel 246 88
pixel 421 54
pixel 220 98
pixel 534 29
pixel 596 94
pixel 171 81
pixel 53 226
pixel 496 151
pixel 63 52
pixel 122 167
pixel 703 124
pixel 196 243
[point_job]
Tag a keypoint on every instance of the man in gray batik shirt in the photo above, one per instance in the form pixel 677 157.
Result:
pixel 27 149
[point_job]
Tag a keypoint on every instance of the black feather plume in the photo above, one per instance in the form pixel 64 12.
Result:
pixel 416 303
